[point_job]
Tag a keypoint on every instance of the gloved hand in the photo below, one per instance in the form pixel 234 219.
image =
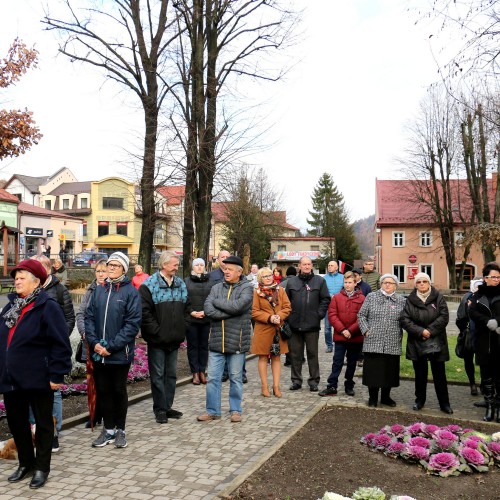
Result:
pixel 492 324
pixel 498 330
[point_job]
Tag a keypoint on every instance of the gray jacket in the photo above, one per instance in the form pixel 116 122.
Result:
pixel 379 316
pixel 229 307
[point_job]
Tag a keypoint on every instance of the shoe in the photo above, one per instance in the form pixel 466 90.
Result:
pixel 372 403
pixel 265 391
pixel 277 392
pixel 196 379
pixel 350 392
pixel 286 363
pixel 245 380
pixel 473 390
pixel 225 378
pixel 203 378
pixel 490 413
pixel 236 417
pixel 313 388
pixel 174 414
pixel 103 439
pixel 161 417
pixel 329 349
pixel 388 402
pixel 55 444
pixel 206 417
pixel 329 391
pixel 295 387
pixel 20 474
pixel 480 404
pixel 418 405
pixel 39 479
pixel 120 441
pixel 447 409
pixel 88 424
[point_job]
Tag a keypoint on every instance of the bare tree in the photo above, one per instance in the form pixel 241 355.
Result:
pixel 128 40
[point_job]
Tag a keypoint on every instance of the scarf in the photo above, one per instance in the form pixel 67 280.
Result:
pixel 423 296
pixel 387 294
pixel 269 293
pixel 12 315
pixel 349 294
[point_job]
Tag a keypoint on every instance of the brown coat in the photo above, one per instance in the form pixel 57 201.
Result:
pixel 264 331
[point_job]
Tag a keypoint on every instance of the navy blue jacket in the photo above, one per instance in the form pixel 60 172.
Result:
pixel 120 304
pixel 39 351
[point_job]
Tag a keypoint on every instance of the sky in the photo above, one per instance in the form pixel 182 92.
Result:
pixel 361 68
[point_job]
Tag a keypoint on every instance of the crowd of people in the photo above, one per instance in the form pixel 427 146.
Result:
pixel 224 315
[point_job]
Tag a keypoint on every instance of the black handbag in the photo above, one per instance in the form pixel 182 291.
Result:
pixel 80 354
pixel 464 343
pixel 285 331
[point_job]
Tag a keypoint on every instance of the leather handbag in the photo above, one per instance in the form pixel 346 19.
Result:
pixel 80 353
pixel 285 331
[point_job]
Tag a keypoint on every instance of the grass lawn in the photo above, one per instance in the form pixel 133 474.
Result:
pixel 455 371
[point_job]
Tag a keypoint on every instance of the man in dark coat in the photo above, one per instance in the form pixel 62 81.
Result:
pixel 310 298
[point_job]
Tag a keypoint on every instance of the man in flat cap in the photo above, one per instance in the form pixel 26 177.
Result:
pixel 229 307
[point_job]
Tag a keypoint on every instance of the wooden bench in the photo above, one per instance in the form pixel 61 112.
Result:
pixel 6 285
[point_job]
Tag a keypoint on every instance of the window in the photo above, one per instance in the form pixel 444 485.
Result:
pixel 121 228
pixel 425 239
pixel 84 229
pixel 458 237
pixel 314 248
pixel 399 271
pixel 398 239
pixel 427 269
pixel 116 203
pixel 84 203
pixel 48 205
pixel 281 248
pixel 103 228
pixel 65 204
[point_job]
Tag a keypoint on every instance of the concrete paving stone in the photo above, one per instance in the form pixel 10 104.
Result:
pixel 139 496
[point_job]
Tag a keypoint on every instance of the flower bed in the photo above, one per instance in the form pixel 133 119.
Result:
pixel 365 493
pixel 138 371
pixel 443 451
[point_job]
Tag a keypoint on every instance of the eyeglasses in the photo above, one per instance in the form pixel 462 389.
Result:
pixel 266 276
pixel 419 282
pixel 114 266
pixel 389 283
pixel 494 278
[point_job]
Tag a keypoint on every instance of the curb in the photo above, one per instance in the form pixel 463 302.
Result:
pixel 241 478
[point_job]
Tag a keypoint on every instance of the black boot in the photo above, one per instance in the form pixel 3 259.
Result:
pixel 385 397
pixel 488 397
pixel 372 396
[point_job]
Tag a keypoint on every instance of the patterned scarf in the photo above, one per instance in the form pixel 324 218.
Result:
pixel 269 293
pixel 12 315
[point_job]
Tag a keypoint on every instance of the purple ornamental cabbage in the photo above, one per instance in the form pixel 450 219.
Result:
pixel 416 428
pixel 443 462
pixel 445 434
pixel 471 443
pixel 472 456
pixel 368 439
pixel 419 441
pixel 381 441
pixel 396 448
pixel 456 429
pixel 494 448
pixel 397 430
pixel 430 429
pixel 417 453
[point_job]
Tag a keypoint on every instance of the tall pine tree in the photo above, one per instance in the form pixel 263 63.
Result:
pixel 329 219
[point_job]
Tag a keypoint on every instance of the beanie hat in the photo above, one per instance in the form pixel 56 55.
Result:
pixel 121 258
pixel 32 266
pixel 422 276
pixel 197 261
pixel 389 275
pixel 291 271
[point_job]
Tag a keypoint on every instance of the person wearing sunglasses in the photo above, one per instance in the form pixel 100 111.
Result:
pixel 484 310
pixel 425 317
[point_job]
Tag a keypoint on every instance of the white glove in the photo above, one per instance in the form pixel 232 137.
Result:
pixel 492 324
pixel 498 330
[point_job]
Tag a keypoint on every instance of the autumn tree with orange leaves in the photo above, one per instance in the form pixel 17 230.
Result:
pixel 18 131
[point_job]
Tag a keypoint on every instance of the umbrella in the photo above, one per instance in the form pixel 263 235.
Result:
pixel 91 391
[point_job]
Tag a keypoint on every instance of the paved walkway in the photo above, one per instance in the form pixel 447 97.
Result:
pixel 185 459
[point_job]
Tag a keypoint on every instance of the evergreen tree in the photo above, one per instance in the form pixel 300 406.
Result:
pixel 329 219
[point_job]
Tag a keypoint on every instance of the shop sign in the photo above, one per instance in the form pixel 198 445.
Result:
pixel 412 272
pixel 50 233
pixel 34 231
pixel 412 259
pixel 294 256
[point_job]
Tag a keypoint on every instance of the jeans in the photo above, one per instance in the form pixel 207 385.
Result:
pixel 216 361
pixel 226 372
pixel 328 332
pixel 353 350
pixel 197 347
pixel 163 374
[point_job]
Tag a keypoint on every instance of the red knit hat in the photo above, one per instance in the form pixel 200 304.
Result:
pixel 32 266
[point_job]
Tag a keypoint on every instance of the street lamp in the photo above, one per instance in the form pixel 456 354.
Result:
pixel 378 250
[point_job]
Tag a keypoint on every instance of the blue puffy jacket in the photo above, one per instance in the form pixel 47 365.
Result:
pixel 114 314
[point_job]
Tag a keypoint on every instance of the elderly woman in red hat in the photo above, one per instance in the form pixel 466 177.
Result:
pixel 35 354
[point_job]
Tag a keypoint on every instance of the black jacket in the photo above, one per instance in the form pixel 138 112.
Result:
pixel 310 299
pixel 56 290
pixel 485 305
pixel 433 316
pixel 198 289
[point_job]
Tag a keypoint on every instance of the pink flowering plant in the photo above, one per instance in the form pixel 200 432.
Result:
pixel 443 451
pixel 139 370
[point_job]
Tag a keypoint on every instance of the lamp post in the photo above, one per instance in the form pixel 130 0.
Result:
pixel 378 250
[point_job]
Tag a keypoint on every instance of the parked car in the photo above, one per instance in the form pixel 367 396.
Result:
pixel 88 259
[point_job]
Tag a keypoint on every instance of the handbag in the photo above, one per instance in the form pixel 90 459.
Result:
pixel 285 331
pixel 464 343
pixel 275 346
pixel 80 353
pixel 427 347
